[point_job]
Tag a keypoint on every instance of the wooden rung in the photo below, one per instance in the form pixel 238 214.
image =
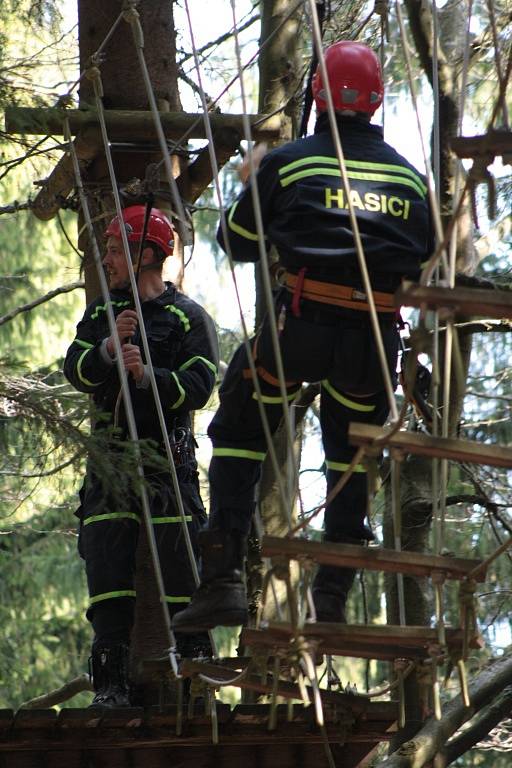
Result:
pixel 363 641
pixel 255 682
pixel 474 302
pixel 427 445
pixel 370 558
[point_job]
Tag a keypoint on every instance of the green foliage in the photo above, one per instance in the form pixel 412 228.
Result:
pixel 44 640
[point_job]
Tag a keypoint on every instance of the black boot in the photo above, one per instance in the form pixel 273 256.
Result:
pixel 332 585
pixel 108 668
pixel 330 591
pixel 220 599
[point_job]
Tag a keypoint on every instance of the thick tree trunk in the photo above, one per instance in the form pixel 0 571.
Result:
pixel 123 88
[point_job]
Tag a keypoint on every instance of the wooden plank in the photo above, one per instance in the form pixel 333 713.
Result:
pixel 359 640
pixel 494 142
pixel 473 302
pixel 333 646
pixel 244 725
pixel 285 689
pixel 135 125
pixel 369 558
pixel 6 720
pixel 61 181
pixel 426 445
pixel 34 718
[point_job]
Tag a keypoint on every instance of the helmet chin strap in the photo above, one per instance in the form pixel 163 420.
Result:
pixel 149 205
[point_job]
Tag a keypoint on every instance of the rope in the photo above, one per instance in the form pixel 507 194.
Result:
pixel 430 185
pixel 265 272
pixel 224 229
pixel 353 220
pixel 131 15
pixel 213 102
pixel 130 416
pixel 96 56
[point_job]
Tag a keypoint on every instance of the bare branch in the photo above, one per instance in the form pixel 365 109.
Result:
pixel 41 300
pixel 65 692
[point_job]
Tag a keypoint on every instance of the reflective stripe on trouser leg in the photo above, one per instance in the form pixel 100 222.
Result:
pixel 175 565
pixel 344 516
pixel 109 542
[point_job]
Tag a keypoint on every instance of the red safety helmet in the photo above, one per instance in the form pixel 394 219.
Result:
pixel 159 229
pixel 355 78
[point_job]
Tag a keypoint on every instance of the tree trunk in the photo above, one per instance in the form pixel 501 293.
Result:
pixel 415 472
pixel 123 88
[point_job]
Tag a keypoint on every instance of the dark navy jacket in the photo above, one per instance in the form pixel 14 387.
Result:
pixel 184 352
pixel 306 216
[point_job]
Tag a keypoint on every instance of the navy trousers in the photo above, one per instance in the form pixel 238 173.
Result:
pixel 328 345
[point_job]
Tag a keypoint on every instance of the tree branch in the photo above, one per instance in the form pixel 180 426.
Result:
pixel 41 300
pixel 482 724
pixel 426 744
pixel 65 692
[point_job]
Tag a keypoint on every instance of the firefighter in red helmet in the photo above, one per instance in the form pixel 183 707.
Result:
pixel 184 354
pixel 325 332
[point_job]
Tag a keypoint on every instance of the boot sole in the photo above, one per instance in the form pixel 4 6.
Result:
pixel 226 619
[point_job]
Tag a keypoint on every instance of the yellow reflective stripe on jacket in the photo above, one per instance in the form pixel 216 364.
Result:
pixel 112 516
pixel 352 404
pixel 237 228
pixel 358 176
pixel 110 595
pixel 177 599
pixel 181 316
pixel 340 466
pixel 103 308
pixel 84 344
pixel 274 400
pixel 239 453
pixel 181 398
pixel 198 358
pixel 369 170
pixel 80 374
pixel 175 519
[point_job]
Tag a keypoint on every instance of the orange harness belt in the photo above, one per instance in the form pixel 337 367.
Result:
pixel 339 295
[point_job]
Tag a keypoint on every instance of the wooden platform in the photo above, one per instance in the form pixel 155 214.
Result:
pixel 440 447
pixel 473 302
pixel 146 738
pixel 359 640
pixel 370 558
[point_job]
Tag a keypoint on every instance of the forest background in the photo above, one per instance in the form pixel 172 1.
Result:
pixel 44 638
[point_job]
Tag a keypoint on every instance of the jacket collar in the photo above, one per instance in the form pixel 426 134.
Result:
pixel 168 296
pixel 348 124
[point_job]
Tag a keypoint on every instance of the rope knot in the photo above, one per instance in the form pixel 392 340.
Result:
pixel 93 73
pixel 381 7
pixel 66 100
